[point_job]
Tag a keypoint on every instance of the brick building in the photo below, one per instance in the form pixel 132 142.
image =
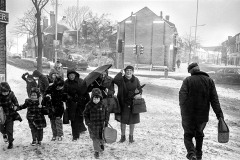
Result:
pixel 156 34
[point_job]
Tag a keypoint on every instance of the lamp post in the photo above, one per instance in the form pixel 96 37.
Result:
pixel 190 44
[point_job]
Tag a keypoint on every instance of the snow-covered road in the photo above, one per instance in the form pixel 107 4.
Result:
pixel 159 135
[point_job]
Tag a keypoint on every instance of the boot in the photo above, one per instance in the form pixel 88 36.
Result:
pixel 96 155
pixel 102 147
pixel 131 139
pixel 10 145
pixel 123 138
pixel 5 138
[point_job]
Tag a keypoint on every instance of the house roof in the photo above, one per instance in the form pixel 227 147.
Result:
pixel 51 29
pixel 147 9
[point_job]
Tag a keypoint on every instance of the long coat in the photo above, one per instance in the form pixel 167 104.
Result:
pixel 43 82
pixel 96 116
pixel 126 89
pixel 195 96
pixel 76 98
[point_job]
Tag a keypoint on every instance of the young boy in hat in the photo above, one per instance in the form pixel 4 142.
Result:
pixel 35 116
pixel 96 118
pixel 9 103
pixel 31 82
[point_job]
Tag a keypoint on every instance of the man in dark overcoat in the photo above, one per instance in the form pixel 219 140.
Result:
pixel 196 94
pixel 76 101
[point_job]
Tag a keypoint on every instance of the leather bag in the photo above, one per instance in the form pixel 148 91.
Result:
pixel 139 106
pixel 113 104
pixel 109 134
pixel 223 131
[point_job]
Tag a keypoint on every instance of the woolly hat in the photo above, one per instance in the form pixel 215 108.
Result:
pixel 4 87
pixel 30 76
pixel 96 92
pixel 129 67
pixel 35 90
pixel 191 66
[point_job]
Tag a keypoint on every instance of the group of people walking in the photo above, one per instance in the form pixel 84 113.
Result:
pixel 53 96
pixel 196 95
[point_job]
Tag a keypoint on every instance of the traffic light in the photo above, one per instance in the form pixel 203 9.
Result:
pixel 119 45
pixel 135 49
pixel 141 49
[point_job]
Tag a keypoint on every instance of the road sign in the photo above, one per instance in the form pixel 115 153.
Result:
pixel 56 42
pixel 4 17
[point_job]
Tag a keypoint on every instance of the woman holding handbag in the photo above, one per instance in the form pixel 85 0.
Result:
pixel 128 87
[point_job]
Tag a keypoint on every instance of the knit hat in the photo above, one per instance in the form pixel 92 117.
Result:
pixel 30 76
pixel 4 87
pixel 96 92
pixel 191 66
pixel 35 90
pixel 129 67
pixel 58 81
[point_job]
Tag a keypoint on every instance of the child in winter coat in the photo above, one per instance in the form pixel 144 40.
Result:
pixel 9 103
pixel 31 82
pixel 35 116
pixel 96 118
pixel 54 99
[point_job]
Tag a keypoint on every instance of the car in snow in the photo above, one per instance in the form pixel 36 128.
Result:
pixel 226 75
pixel 45 62
pixel 73 61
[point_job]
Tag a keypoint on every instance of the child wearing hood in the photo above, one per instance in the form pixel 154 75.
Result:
pixel 96 118
pixel 9 103
pixel 35 116
pixel 31 82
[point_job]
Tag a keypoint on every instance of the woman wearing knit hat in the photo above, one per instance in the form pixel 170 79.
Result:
pixel 128 87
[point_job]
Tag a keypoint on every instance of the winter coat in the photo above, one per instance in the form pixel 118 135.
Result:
pixel 55 104
pixel 96 117
pixel 195 96
pixel 42 81
pixel 8 102
pixel 126 89
pixel 29 84
pixel 76 98
pixel 35 114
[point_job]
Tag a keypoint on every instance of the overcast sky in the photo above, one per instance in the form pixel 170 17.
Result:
pixel 221 17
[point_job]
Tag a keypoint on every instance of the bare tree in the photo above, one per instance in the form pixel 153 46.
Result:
pixel 10 44
pixel 76 15
pixel 39 5
pixel 27 25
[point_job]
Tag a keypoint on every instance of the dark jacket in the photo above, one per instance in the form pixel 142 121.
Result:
pixel 76 98
pixel 35 115
pixel 195 96
pixel 42 81
pixel 96 117
pixel 29 84
pixel 126 89
pixel 55 104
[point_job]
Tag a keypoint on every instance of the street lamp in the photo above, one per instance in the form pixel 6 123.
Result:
pixel 190 45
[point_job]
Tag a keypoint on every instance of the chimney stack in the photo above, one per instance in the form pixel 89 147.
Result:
pixel 167 17
pixel 52 18
pixel 45 23
pixel 161 16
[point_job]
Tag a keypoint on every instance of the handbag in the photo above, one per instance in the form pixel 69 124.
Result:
pixel 139 106
pixel 223 131
pixel 113 104
pixel 109 134
pixel 2 115
pixel 65 117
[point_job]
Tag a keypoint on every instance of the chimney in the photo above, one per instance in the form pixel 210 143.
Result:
pixel 52 18
pixel 167 17
pixel 45 23
pixel 161 16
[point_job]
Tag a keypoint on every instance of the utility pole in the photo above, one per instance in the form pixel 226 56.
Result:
pixel 77 22
pixel 195 46
pixel 56 31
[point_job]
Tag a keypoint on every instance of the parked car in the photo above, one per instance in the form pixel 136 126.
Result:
pixel 16 56
pixel 227 75
pixel 45 62
pixel 73 61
